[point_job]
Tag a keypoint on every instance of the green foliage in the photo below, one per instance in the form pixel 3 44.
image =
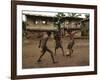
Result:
pixel 87 16
pixel 60 15
pixel 58 20
pixel 24 25
pixel 75 15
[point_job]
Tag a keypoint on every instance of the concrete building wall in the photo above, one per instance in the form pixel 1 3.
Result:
pixel 39 24
pixel 47 24
pixel 72 24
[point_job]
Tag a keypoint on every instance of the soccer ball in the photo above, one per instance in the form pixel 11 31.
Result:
pixel 68 53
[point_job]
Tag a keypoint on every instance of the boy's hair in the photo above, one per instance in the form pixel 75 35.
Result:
pixel 49 33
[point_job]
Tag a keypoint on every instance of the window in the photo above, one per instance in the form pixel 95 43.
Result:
pixel 36 22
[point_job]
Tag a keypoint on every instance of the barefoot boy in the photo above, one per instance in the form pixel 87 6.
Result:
pixel 43 46
pixel 71 42
pixel 57 37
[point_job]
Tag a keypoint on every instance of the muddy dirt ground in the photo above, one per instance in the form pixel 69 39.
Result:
pixel 31 53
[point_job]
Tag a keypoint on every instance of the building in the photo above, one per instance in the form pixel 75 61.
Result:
pixel 44 22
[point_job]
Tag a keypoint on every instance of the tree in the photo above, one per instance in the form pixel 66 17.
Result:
pixel 87 16
pixel 75 15
pixel 59 17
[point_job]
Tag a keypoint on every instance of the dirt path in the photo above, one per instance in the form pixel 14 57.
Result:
pixel 31 53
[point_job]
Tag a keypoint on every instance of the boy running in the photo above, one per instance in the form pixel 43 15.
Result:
pixel 71 43
pixel 43 45
pixel 57 37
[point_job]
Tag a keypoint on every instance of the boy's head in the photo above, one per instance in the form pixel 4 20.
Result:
pixel 49 33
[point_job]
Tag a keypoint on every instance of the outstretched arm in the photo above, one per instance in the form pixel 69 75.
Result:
pixel 74 32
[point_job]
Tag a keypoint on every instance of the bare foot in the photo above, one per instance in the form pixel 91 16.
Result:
pixel 38 60
pixel 55 62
